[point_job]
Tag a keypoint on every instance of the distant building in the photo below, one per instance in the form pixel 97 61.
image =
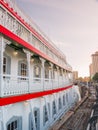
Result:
pixel 75 75
pixel 93 68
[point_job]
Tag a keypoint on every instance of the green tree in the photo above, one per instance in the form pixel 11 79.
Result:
pixel 95 77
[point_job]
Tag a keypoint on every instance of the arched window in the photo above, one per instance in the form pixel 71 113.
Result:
pixel 59 103
pixel 46 72
pixel 64 100
pixel 45 115
pixel 15 123
pixel 53 108
pixel 54 71
pixel 6 64
pixel 47 65
pixel 67 97
pixel 49 107
pixel 22 68
pixel 36 118
pixel 37 71
pixel 60 71
pixel 53 74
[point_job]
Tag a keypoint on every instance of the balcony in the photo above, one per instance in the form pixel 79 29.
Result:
pixel 12 85
pixel 23 71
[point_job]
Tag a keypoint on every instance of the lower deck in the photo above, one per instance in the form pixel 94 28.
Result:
pixel 38 113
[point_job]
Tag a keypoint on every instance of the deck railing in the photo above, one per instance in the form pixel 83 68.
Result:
pixel 15 85
pixel 23 15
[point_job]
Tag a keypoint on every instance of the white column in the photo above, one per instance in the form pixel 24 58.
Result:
pixel 1 66
pixel 43 72
pixel 46 103
pixel 28 54
pixel 3 121
pixel 62 79
pixel 32 115
pixel 51 80
pixel 56 102
pixel 58 76
pixel 3 43
pixel 67 77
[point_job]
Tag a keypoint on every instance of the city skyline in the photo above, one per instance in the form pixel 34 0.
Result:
pixel 71 25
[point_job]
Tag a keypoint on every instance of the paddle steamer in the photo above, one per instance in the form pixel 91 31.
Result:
pixel 36 82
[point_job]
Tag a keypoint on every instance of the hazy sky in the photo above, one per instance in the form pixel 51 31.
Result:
pixel 71 24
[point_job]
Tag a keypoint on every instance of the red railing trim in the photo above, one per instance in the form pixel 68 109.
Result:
pixel 20 98
pixel 14 37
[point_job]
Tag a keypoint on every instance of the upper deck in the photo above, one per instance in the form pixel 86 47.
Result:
pixel 29 61
pixel 15 20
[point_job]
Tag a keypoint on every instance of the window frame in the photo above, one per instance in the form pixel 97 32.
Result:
pixel 39 71
pixel 7 65
pixel 54 110
pixel 37 124
pixel 23 68
pixel 64 102
pixel 45 115
pixel 59 103
pixel 13 119
pixel 46 73
pixel 20 71
pixel 67 99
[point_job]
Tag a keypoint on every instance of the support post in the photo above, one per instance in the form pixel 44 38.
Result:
pixel 1 65
pixel 46 103
pixel 28 55
pixel 58 76
pixel 43 73
pixel 55 99
pixel 32 115
pixel 3 43
pixel 51 79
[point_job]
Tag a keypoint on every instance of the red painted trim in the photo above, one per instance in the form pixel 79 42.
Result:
pixel 36 34
pixel 20 41
pixel 20 98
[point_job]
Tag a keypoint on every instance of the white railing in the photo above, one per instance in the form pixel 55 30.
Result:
pixel 15 85
pixel 23 15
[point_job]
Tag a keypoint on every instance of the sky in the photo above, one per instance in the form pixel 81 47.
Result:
pixel 71 24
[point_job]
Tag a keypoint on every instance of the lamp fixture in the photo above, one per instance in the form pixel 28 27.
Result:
pixel 15 52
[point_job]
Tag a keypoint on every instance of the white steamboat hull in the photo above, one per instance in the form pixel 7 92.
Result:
pixel 24 112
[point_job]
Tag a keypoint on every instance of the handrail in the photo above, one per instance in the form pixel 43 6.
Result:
pixel 13 85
